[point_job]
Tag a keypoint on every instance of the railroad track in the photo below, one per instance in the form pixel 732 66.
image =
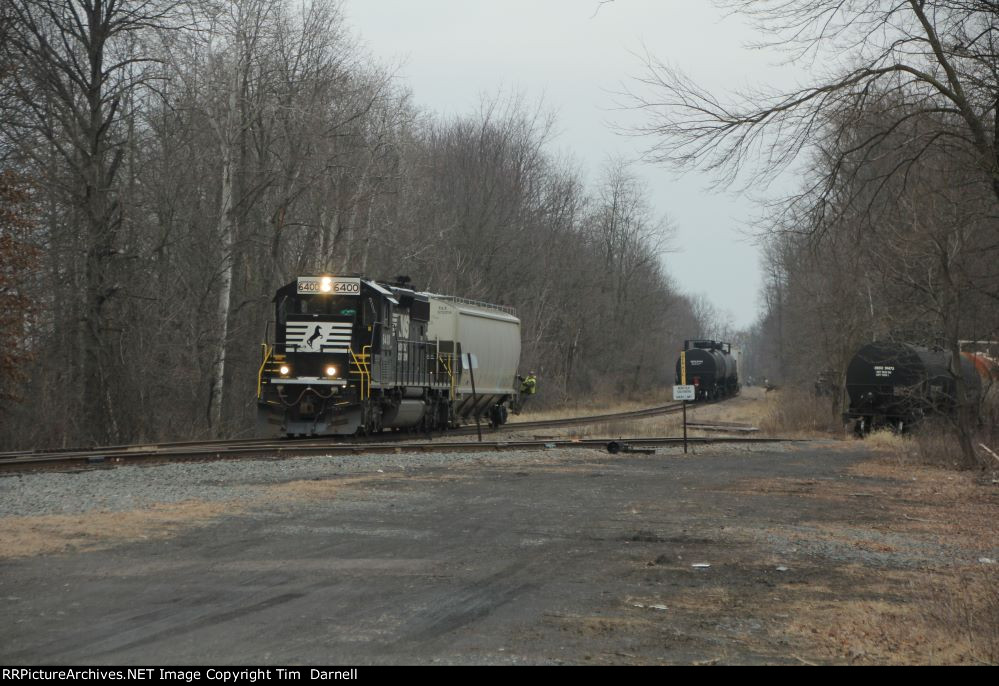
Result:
pixel 669 408
pixel 152 453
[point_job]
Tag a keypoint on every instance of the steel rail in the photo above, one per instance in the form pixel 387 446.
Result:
pixel 651 411
pixel 200 450
pixel 291 451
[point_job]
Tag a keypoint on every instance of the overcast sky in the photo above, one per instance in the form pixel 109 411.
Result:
pixel 575 54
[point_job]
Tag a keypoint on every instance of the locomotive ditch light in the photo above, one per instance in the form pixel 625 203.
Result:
pixel 330 370
pixel 285 370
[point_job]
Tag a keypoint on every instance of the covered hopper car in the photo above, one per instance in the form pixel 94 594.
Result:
pixel 350 355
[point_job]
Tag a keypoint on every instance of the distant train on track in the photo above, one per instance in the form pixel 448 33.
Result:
pixel 893 384
pixel 712 368
pixel 350 355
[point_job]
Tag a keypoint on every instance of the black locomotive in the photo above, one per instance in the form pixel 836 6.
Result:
pixel 711 368
pixel 351 355
pixel 893 384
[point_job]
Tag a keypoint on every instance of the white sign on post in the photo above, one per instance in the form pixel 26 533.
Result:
pixel 684 392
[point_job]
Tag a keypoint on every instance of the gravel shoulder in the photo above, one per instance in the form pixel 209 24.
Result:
pixel 825 552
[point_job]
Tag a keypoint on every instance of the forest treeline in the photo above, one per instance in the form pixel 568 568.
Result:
pixel 893 230
pixel 166 165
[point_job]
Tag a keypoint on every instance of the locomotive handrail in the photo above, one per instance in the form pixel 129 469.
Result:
pixel 267 350
pixel 445 359
pixel 362 370
pixel 366 358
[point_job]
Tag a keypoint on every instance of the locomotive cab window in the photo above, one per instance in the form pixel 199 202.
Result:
pixel 371 320
pixel 282 311
pixel 342 306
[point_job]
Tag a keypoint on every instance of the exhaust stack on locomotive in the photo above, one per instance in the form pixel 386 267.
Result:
pixel 351 355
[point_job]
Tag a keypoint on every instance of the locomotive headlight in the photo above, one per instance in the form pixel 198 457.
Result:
pixel 326 285
pixel 330 370
pixel 285 370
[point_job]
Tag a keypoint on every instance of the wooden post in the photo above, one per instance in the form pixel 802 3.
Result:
pixel 684 427
pixel 683 382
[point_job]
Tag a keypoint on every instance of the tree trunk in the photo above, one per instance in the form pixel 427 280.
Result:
pixel 227 234
pixel 966 415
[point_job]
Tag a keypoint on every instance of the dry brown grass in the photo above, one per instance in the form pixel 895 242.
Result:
pixel 967 608
pixel 871 632
pixel 937 444
pixel 796 413
pixel 932 443
pixel 97 530
pixel 747 408
pixel 889 442
pixel 26 536
pixel 592 406
pixel 945 611
pixel 949 618
pixel 751 406
pixel 669 425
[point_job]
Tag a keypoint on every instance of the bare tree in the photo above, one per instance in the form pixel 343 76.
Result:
pixel 19 257
pixel 931 60
pixel 78 61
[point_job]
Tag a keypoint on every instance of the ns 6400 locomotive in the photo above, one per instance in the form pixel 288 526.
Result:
pixel 350 355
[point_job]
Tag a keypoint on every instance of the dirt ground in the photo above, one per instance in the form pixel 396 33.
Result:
pixel 821 552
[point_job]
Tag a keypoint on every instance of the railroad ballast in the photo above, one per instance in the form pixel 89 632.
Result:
pixel 350 355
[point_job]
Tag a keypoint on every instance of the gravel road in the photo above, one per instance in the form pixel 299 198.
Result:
pixel 729 555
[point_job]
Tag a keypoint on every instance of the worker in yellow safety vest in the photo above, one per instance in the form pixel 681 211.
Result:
pixel 529 386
